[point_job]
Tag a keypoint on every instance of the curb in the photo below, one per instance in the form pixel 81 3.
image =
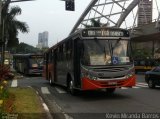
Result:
pixel 56 111
pixel 49 116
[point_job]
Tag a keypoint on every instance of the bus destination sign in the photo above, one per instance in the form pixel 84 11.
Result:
pixel 36 56
pixel 104 33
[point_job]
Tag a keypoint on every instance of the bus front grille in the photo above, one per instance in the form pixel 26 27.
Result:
pixel 110 69
pixel 112 83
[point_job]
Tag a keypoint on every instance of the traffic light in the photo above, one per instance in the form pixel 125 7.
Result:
pixel 69 5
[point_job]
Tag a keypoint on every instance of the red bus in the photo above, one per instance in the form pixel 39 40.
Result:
pixel 91 59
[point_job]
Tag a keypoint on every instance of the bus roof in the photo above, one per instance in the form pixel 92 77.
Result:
pixel 95 32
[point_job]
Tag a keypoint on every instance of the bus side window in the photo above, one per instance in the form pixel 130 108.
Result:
pixel 59 53
pixel 50 57
pixel 64 51
pixel 55 55
pixel 69 49
pixel 46 60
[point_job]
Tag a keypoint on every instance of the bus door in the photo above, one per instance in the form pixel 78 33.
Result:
pixel 60 66
pixel 55 65
pixel 76 61
pixel 45 68
pixel 64 64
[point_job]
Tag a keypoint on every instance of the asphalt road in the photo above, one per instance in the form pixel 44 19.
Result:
pixel 124 103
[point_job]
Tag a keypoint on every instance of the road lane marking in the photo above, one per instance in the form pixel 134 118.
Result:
pixel 60 90
pixel 49 116
pixel 135 87
pixel 139 85
pixel 143 84
pixel 45 90
pixel 14 83
pixel 124 88
pixel 67 116
pixel 45 107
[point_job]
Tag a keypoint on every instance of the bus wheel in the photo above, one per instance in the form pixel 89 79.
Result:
pixel 110 90
pixel 71 88
pixel 151 84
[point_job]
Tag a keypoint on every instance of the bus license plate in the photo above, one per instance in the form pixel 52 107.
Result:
pixel 112 83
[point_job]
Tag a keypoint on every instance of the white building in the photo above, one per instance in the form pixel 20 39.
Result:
pixel 42 40
pixel 145 12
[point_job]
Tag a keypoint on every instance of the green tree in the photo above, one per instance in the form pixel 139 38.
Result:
pixel 26 48
pixel 94 23
pixel 12 26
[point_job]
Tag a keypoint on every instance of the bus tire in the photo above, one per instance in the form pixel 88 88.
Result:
pixel 70 87
pixel 110 90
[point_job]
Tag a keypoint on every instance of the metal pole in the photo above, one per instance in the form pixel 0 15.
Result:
pixel 3 41
pixel 0 11
pixel 1 32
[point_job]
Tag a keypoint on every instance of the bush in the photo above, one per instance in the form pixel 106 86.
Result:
pixel 5 73
pixel 4 94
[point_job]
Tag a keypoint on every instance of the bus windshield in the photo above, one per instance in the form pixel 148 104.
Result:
pixel 36 62
pixel 105 52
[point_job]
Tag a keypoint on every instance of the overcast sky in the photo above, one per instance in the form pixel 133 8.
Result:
pixel 51 16
pixel 48 15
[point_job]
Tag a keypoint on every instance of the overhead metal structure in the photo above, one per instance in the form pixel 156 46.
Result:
pixel 113 13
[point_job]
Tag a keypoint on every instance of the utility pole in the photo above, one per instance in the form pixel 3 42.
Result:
pixel 0 10
pixel 1 31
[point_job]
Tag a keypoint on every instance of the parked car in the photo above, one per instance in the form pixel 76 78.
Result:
pixel 152 77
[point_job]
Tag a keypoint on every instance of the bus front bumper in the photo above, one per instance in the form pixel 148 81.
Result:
pixel 88 84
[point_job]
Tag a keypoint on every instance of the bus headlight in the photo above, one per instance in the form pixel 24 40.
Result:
pixel 93 78
pixel 87 75
pixel 130 73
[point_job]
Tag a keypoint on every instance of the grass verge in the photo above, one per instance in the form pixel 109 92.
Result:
pixel 27 103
